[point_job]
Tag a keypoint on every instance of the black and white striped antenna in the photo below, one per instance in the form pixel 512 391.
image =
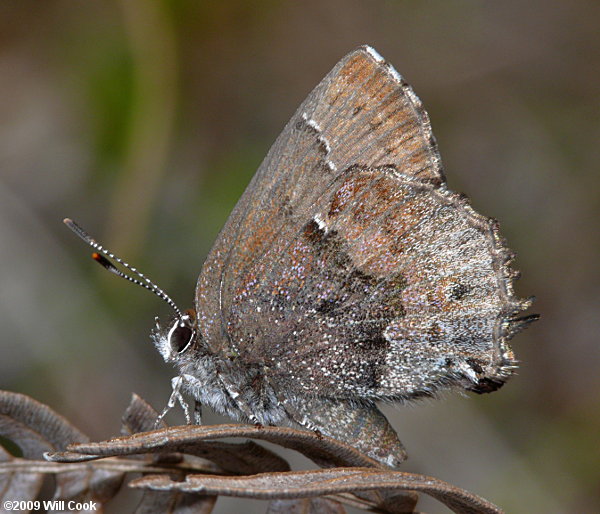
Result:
pixel 102 256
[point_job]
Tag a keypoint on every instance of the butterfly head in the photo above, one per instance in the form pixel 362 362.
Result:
pixel 175 338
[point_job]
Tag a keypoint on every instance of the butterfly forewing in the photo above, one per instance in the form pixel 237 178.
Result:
pixel 313 149
pixel 372 117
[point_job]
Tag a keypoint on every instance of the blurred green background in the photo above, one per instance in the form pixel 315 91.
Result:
pixel 144 120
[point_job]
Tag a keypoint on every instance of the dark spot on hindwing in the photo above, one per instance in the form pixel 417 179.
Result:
pixel 371 355
pixel 475 366
pixel 486 385
pixel 458 291
pixel 329 246
pixel 313 232
pixel 373 338
pixel 327 306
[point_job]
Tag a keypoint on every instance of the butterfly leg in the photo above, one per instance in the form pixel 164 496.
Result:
pixel 176 396
pixel 297 415
pixel 197 413
pixel 236 396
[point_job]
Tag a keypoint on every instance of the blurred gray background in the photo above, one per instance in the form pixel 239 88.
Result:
pixel 144 120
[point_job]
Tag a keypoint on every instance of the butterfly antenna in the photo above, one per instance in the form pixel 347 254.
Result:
pixel 102 256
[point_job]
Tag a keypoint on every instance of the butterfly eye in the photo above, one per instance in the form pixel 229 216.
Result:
pixel 180 336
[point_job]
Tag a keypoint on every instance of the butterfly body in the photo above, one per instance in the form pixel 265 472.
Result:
pixel 220 384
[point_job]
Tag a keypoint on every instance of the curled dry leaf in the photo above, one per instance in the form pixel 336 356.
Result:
pixel 139 417
pixel 16 485
pixel 305 484
pixel 238 458
pixel 37 429
pixel 34 427
pixel 184 469
pixel 322 450
pixel 198 440
pixel 306 506
pixel 175 502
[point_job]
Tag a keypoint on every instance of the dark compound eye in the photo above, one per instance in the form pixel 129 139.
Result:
pixel 179 337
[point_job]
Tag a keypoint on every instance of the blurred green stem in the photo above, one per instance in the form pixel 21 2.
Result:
pixel 154 59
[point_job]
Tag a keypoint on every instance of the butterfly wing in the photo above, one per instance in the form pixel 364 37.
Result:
pixel 347 267
pixel 302 159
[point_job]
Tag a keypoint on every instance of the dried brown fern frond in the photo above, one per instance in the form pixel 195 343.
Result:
pixel 186 468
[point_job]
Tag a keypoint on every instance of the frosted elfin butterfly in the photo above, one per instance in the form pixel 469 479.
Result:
pixel 346 274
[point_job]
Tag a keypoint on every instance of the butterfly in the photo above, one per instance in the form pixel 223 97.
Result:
pixel 347 274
